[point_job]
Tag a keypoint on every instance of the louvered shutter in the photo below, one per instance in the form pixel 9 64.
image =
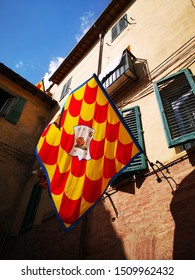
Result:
pixel 114 32
pixel 118 27
pixel 132 118
pixel 15 110
pixel 66 89
pixel 122 23
pixel 176 99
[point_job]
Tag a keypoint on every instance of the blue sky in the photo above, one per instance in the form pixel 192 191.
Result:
pixel 36 35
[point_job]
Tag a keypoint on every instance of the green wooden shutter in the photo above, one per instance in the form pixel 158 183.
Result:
pixel 176 99
pixel 132 118
pixel 16 110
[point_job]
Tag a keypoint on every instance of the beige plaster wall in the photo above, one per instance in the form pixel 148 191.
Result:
pixel 17 150
pixel 157 29
pixel 83 71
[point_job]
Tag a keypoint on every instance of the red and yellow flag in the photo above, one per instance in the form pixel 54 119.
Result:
pixel 40 85
pixel 84 150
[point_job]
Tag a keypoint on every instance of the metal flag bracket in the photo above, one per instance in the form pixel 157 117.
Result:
pixel 156 169
pixel 112 203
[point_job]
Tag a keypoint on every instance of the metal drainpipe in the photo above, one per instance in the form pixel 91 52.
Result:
pixel 100 53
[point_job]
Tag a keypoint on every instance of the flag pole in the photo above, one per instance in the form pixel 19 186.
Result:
pixel 43 85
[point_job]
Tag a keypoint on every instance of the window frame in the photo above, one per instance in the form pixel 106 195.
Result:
pixel 119 27
pixel 13 108
pixel 65 89
pixel 171 141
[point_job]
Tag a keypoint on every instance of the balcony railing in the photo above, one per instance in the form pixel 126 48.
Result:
pixel 123 72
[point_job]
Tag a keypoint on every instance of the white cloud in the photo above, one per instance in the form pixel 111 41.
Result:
pixel 53 65
pixel 86 21
pixel 19 64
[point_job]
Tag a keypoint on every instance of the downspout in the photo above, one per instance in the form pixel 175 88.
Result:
pixel 101 36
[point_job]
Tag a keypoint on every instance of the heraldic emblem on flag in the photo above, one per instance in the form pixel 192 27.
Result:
pixel 86 147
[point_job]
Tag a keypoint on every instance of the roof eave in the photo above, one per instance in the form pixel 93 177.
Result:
pixel 89 39
pixel 16 78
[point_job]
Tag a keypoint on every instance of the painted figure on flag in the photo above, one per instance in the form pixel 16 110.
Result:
pixel 82 139
pixel 86 147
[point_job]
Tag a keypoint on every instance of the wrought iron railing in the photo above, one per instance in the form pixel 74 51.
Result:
pixel 125 66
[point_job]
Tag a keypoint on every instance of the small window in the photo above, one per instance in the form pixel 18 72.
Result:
pixel 176 99
pixel 4 97
pixel 119 27
pixel 11 107
pixel 66 89
pixel 7 106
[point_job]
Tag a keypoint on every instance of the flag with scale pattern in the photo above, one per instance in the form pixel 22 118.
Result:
pixel 83 150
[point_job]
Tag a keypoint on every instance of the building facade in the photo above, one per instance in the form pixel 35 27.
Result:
pixel 143 53
pixel 24 113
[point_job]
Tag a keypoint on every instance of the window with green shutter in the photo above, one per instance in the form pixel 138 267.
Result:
pixel 132 118
pixel 176 99
pixel 12 108
pixel 119 27
pixel 16 110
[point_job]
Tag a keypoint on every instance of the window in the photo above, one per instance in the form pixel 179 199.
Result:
pixel 119 27
pixel 124 71
pixel 11 107
pixel 176 99
pixel 66 89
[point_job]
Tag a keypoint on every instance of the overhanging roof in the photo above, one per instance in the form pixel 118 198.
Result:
pixel 16 78
pixel 106 19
